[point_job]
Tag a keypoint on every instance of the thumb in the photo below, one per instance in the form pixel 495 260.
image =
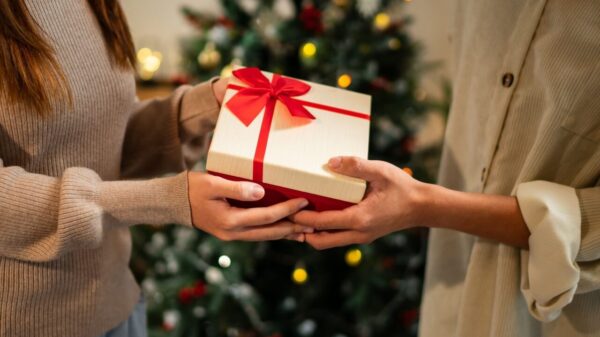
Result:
pixel 238 190
pixel 356 167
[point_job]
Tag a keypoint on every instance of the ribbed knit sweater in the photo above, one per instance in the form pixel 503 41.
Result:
pixel 65 208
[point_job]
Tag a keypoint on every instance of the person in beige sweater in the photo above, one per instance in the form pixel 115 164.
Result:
pixel 514 245
pixel 73 138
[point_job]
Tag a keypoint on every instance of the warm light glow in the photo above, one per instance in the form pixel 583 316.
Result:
pixel 300 275
pixel 149 61
pixel 344 81
pixel 394 44
pixel 408 170
pixel 309 49
pixel 353 257
pixel 382 21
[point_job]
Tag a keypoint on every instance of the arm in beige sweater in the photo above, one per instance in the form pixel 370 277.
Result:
pixel 42 217
pixel 165 134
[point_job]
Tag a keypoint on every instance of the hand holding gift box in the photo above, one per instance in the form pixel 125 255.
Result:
pixel 280 132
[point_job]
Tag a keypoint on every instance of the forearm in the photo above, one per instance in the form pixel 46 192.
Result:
pixel 493 217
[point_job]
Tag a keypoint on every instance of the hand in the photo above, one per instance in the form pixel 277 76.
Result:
pixel 219 87
pixel 213 214
pixel 387 207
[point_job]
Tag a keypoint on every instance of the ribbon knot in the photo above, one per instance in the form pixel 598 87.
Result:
pixel 249 101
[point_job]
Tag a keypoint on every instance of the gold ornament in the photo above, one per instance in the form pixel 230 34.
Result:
pixel 394 43
pixel 353 257
pixel 300 275
pixel 382 21
pixel 344 81
pixel 209 57
pixel 340 3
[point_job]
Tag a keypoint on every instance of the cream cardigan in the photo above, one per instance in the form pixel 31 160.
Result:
pixel 525 121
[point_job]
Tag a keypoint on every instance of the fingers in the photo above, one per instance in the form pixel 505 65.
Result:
pixel 267 215
pixel 276 231
pixel 359 168
pixel 238 190
pixel 327 220
pixel 326 240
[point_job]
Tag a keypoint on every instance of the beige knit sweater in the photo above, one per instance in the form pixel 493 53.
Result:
pixel 64 210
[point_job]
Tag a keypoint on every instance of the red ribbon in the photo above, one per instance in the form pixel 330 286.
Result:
pixel 261 94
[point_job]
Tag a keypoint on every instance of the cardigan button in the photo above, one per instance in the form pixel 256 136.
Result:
pixel 507 80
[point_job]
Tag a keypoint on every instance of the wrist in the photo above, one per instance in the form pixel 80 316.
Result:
pixel 423 205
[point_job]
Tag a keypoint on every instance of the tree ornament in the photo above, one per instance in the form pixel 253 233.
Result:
pixel 185 295
pixel 368 7
pixel 307 327
pixel 341 3
pixel 382 21
pixel 249 6
pixel 344 81
pixel 224 261
pixel 219 35
pixel 394 43
pixel 300 275
pixel 353 257
pixel 170 319
pixel 214 276
pixel 310 17
pixel 209 57
pixel 284 9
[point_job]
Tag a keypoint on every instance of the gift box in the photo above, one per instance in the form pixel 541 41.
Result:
pixel 280 132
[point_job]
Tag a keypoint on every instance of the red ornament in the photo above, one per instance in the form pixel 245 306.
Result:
pixel 186 295
pixel 199 289
pixel 311 19
pixel 408 317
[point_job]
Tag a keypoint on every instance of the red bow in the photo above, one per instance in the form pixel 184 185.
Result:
pixel 250 101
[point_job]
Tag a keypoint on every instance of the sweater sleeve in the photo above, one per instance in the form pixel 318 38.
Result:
pixel 167 135
pixel 564 245
pixel 43 218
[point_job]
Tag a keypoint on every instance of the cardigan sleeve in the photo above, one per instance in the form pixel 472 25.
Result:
pixel 564 247
pixel 167 135
pixel 43 217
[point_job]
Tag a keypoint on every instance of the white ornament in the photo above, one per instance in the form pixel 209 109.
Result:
pixel 368 7
pixel 171 318
pixel 219 35
pixel 224 261
pixel 214 275
pixel 249 6
pixel 307 327
pixel 285 9
pixel 149 286
pixel 289 304
pixel 199 312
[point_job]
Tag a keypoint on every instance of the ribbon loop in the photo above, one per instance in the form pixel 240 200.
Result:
pixel 248 102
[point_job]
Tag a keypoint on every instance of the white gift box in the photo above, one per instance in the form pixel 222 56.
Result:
pixel 295 150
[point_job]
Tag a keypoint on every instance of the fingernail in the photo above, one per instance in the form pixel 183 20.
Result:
pixel 254 191
pixel 335 162
pixel 303 204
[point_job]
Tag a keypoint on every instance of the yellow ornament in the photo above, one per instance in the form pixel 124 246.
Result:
pixel 382 21
pixel 300 275
pixel 344 81
pixel 353 257
pixel 209 57
pixel 308 50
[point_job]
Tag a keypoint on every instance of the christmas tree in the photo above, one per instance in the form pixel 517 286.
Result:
pixel 197 285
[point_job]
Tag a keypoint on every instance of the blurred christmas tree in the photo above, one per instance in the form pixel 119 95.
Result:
pixel 199 286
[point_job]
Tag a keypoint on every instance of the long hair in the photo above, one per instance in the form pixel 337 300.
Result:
pixel 29 71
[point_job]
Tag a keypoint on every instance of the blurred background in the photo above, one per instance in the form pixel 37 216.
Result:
pixel 395 50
